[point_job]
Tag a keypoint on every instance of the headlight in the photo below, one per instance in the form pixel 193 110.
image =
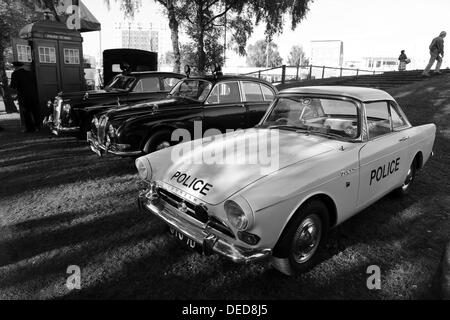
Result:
pixel 111 131
pixel 67 107
pixel 236 216
pixel 144 168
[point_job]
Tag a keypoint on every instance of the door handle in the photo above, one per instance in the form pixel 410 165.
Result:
pixel 404 139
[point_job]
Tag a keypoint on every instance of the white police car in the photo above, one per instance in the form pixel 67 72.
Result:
pixel 318 156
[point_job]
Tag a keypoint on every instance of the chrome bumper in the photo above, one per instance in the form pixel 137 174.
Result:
pixel 102 150
pixel 208 238
pixel 58 129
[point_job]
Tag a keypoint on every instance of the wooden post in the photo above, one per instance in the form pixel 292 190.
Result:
pixel 341 73
pixel 310 71
pixel 283 73
pixel 296 77
pixel 323 72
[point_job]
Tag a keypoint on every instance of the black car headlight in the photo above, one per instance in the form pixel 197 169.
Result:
pixel 67 107
pixel 238 217
pixel 144 168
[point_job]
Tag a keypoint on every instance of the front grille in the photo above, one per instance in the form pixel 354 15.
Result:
pixel 196 212
pixel 101 130
pixel 57 105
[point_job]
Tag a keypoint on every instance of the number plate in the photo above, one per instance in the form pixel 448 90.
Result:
pixel 186 240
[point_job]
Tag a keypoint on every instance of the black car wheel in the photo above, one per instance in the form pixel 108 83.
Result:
pixel 302 242
pixel 158 141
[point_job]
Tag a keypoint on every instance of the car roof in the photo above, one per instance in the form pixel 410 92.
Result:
pixel 156 73
pixel 229 77
pixel 359 93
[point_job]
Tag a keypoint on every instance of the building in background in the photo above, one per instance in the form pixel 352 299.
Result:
pixel 142 35
pixel 380 63
pixel 328 53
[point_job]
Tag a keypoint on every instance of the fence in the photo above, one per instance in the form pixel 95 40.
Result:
pixel 285 73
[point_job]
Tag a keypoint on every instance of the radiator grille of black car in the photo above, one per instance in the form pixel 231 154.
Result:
pixel 57 105
pixel 101 130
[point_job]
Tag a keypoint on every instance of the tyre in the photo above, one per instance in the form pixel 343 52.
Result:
pixel 409 180
pixel 301 243
pixel 158 141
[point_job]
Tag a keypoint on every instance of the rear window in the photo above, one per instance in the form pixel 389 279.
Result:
pixel 267 92
pixel 252 91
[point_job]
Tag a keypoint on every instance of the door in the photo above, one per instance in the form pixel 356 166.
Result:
pixel 257 98
pixel 224 108
pixel 384 158
pixel 71 66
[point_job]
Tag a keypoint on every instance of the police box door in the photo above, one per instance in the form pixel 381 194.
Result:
pixel 71 66
pixel 46 54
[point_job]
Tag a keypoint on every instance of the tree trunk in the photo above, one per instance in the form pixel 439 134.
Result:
pixel 10 107
pixel 201 62
pixel 173 25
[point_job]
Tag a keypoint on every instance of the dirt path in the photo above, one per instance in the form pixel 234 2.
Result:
pixel 60 205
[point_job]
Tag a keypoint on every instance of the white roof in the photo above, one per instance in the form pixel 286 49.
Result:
pixel 359 93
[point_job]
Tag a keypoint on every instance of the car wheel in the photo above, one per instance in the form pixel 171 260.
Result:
pixel 409 180
pixel 301 244
pixel 158 141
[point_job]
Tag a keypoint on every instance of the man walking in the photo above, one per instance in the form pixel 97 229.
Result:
pixel 436 54
pixel 22 81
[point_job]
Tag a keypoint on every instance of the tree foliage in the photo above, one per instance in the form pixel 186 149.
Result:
pixel 14 15
pixel 262 55
pixel 204 18
pixel 297 57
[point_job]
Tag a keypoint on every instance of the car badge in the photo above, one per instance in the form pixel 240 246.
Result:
pixel 86 96
pixel 182 207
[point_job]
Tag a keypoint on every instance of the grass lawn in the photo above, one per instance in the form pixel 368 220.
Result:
pixel 61 205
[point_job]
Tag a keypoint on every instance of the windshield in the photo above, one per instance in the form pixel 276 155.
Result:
pixel 192 89
pixel 121 82
pixel 323 116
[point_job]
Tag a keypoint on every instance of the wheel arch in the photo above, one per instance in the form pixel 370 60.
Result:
pixel 418 158
pixel 152 131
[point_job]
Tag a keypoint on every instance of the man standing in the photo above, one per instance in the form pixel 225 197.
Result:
pixel 436 54
pixel 22 81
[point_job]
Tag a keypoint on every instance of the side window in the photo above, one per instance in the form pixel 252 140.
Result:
pixel 267 92
pixel 71 56
pixel 47 55
pixel 169 83
pixel 252 91
pixel 378 119
pixel 229 92
pixel 23 53
pixel 397 120
pixel 214 96
pixel 148 85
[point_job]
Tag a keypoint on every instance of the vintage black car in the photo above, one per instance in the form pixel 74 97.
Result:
pixel 217 102
pixel 72 112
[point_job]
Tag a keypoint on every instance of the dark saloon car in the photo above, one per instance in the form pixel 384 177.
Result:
pixel 72 112
pixel 216 102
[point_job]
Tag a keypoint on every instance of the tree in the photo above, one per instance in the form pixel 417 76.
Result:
pixel 297 57
pixel 261 55
pixel 13 16
pixel 201 18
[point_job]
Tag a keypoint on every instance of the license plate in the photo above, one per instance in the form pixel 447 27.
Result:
pixel 186 240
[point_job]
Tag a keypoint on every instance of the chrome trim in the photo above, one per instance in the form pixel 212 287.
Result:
pixel 101 149
pixel 207 237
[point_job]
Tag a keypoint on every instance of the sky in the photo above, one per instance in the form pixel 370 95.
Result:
pixel 367 28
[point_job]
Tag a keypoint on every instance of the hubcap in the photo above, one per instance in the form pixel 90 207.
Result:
pixel 307 238
pixel 162 145
pixel 408 180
